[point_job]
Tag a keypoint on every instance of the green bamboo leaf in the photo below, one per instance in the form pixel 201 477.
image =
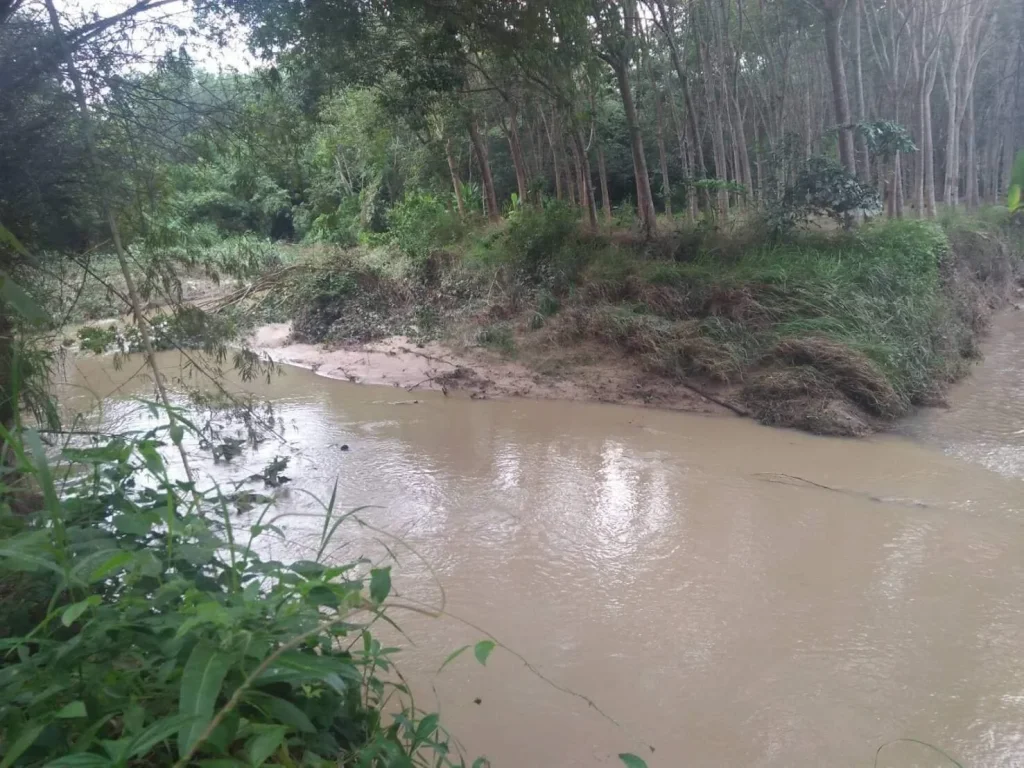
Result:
pixel 20 301
pixel 25 740
pixel 632 761
pixel 21 559
pixel 452 657
pixel 72 612
pixel 483 649
pixel 1013 198
pixel 380 584
pixel 263 745
pixel 110 565
pixel 35 443
pixel 157 733
pixel 282 711
pixel 426 727
pixel 80 760
pixel 72 710
pixel 201 682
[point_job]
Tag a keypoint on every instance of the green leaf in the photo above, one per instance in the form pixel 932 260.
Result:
pixel 177 433
pixel 25 740
pixel 109 565
pixel 481 762
pixel 157 733
pixel 72 710
pixel 263 745
pixel 20 301
pixel 80 760
pixel 1013 198
pixel 452 657
pixel 21 559
pixel 282 711
pixel 380 584
pixel 33 441
pixel 483 649
pixel 133 523
pixel 632 761
pixel 296 667
pixel 425 728
pixel 201 681
pixel 72 612
pixel 8 239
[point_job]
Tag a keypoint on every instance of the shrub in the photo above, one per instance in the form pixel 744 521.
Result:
pixel 545 245
pixel 139 626
pixel 421 224
pixel 823 188
pixel 498 337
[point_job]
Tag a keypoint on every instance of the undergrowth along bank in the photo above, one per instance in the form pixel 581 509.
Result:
pixel 837 332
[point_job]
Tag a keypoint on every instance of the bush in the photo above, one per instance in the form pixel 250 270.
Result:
pixel 421 224
pixel 542 246
pixel 140 627
pixel 824 188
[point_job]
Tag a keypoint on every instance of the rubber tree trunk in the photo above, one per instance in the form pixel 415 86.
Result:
pixel 487 181
pixel 602 173
pixel 586 178
pixel 453 169
pixel 666 185
pixel 840 96
pixel 550 130
pixel 644 199
pixel 516 151
pixel 971 159
pixel 863 161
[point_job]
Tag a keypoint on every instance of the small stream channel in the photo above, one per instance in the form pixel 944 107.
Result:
pixel 730 594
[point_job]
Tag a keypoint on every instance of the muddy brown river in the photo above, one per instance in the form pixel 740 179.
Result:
pixel 729 594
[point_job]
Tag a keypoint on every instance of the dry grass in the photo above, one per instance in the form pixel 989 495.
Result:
pixel 850 372
pixel 802 398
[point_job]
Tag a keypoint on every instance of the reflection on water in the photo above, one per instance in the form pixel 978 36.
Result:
pixel 640 558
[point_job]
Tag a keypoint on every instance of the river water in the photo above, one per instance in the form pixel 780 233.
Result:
pixel 729 594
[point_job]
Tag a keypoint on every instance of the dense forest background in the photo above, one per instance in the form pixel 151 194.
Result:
pixel 365 115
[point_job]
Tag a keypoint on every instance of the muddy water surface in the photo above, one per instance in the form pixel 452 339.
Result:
pixel 729 594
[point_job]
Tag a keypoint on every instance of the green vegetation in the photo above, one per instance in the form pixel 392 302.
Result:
pixel 139 626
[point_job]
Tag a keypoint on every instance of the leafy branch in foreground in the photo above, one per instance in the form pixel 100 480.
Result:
pixel 139 626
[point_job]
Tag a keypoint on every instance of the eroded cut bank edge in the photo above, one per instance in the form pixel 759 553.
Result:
pixel 400 362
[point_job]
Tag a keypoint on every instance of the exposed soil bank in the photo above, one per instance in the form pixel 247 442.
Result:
pixel 402 363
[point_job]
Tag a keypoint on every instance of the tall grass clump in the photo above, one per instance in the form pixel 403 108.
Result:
pixel 877 291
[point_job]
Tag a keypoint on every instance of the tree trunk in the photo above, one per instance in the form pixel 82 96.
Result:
pixel 644 201
pixel 840 97
pixel 586 178
pixel 487 181
pixel 516 151
pixel 972 161
pixel 858 84
pixel 456 184
pixel 666 186
pixel 928 153
pixel 556 160
pixel 602 173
